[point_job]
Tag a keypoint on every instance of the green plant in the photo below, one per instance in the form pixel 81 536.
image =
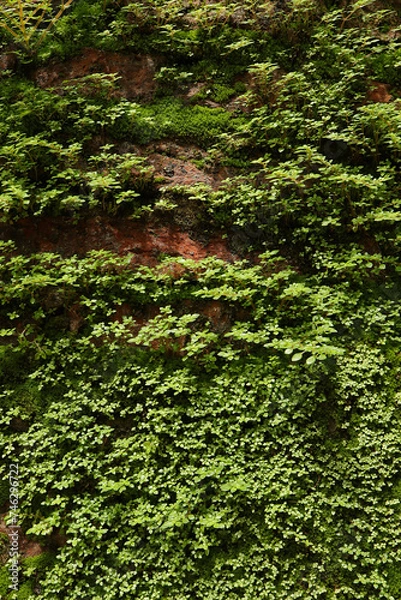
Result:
pixel 5 581
pixel 207 428
pixel 28 22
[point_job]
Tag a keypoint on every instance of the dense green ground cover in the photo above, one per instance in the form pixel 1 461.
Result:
pixel 166 455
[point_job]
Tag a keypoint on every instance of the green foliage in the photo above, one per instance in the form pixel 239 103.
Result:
pixel 26 592
pixel 234 433
pixel 160 463
pixel 170 118
pixel 5 581
pixel 178 475
pixel 51 171
pixel 28 22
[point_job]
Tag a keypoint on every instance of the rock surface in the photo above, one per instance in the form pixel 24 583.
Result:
pixel 136 73
pixel 146 241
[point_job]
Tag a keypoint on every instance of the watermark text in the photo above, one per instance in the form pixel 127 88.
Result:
pixel 13 526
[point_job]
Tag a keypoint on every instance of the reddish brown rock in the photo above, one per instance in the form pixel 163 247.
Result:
pixel 75 317
pixel 8 61
pixel 178 172
pixel 136 72
pixel 26 547
pixel 124 310
pixel 379 92
pixel 146 241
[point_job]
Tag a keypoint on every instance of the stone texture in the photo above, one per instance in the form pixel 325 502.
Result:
pixel 136 72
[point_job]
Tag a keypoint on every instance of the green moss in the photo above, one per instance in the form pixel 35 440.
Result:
pixel 385 66
pixel 12 363
pixel 394 577
pixel 26 591
pixel 26 397
pixel 171 118
pixel 38 564
pixel 5 581
pixel 218 93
